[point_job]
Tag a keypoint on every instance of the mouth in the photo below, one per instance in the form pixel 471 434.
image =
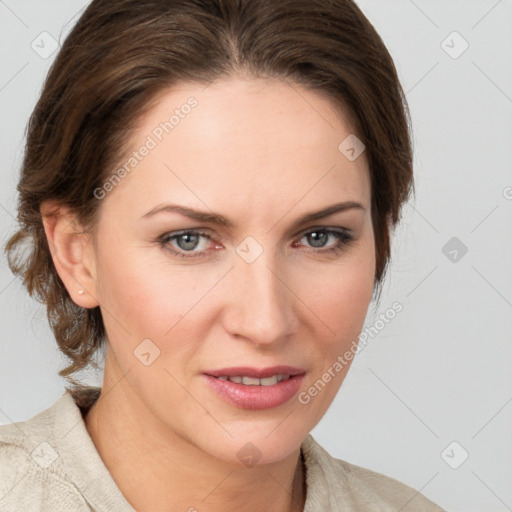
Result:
pixel 256 373
pixel 253 381
pixel 256 388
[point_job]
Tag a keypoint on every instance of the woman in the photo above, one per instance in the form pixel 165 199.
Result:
pixel 209 189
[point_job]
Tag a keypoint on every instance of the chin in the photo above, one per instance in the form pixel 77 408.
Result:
pixel 256 446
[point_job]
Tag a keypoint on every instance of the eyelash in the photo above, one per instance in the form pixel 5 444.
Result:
pixel 343 236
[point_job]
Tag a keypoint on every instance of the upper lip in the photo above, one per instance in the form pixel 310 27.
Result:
pixel 257 373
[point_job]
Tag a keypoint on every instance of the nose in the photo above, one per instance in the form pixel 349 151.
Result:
pixel 261 305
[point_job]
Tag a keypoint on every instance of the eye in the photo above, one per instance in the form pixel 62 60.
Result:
pixel 194 244
pixel 318 238
pixel 185 243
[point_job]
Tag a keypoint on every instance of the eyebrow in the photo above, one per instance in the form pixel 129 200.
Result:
pixel 220 220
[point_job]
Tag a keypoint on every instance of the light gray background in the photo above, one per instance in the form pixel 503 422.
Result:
pixel 440 371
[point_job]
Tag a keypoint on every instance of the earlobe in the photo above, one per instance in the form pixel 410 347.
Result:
pixel 71 253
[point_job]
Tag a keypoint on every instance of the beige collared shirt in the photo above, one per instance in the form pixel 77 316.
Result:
pixel 49 463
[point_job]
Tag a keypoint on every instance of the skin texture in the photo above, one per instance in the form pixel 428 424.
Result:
pixel 262 153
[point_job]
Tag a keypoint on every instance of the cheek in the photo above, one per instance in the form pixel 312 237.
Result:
pixel 342 294
pixel 148 298
pixel 135 296
pixel 343 307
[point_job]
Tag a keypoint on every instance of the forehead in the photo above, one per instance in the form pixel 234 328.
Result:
pixel 257 143
pixel 236 106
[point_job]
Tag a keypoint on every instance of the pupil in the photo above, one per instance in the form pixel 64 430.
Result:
pixel 318 239
pixel 190 241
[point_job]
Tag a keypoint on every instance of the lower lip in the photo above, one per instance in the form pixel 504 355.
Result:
pixel 256 397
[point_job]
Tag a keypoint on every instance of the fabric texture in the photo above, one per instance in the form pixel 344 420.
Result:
pixel 50 463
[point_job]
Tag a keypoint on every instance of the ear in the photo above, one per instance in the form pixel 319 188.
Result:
pixel 72 253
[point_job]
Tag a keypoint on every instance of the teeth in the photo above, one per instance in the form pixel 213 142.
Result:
pixel 252 381
pixel 268 381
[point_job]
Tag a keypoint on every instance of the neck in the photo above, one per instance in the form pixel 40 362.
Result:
pixel 135 447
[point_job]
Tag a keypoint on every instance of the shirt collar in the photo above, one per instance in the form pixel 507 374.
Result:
pixel 82 461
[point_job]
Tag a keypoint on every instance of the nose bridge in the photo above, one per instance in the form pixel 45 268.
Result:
pixel 261 307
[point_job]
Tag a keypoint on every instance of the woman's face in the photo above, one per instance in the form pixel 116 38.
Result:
pixel 250 286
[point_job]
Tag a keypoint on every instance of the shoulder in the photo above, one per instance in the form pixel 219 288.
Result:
pixel 356 487
pixel 32 475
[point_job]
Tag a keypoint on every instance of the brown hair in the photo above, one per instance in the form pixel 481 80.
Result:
pixel 122 53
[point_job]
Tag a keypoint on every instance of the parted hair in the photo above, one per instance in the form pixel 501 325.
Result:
pixel 122 54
